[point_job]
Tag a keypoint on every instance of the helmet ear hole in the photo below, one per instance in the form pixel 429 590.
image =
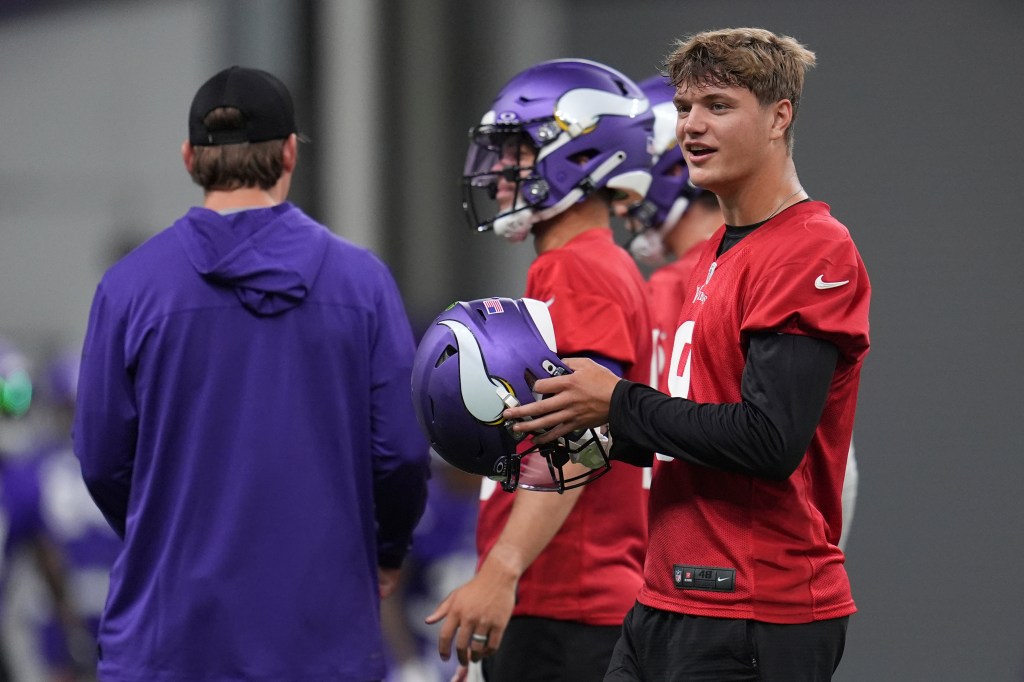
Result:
pixel 531 379
pixel 448 352
pixel 582 157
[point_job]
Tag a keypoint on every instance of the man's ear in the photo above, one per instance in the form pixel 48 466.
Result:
pixel 782 118
pixel 290 153
pixel 187 155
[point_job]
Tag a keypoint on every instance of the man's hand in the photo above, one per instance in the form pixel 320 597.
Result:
pixel 475 615
pixel 574 401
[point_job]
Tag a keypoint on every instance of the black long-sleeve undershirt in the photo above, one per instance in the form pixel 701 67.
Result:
pixel 784 387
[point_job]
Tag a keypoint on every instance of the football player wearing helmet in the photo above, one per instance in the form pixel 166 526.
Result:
pixel 16 395
pixel 72 546
pixel 244 422
pixel 562 141
pixel 657 221
pixel 743 574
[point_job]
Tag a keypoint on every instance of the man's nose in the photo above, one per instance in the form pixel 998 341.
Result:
pixel 693 122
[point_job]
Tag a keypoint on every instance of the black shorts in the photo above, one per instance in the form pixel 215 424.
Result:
pixel 546 650
pixel 663 646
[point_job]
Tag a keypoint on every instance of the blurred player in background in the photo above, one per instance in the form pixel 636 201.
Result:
pixel 244 422
pixel 67 541
pixel 442 557
pixel 15 401
pixel 562 142
pixel 743 577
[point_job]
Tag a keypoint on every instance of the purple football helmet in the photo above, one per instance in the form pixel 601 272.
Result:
pixel 670 191
pixel 15 382
pixel 556 133
pixel 477 358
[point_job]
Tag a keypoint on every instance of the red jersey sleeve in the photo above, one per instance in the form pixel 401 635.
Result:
pixel 818 288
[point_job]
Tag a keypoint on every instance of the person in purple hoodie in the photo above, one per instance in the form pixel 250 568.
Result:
pixel 244 422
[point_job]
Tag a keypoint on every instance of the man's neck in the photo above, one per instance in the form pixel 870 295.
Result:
pixel 762 196
pixel 564 227
pixel 248 197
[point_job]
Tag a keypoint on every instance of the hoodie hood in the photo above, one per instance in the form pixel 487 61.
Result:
pixel 269 256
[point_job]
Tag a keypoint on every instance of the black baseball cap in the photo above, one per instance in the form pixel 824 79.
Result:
pixel 262 98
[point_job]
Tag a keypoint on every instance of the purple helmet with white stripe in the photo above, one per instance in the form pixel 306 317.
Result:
pixel 477 358
pixel 556 133
pixel 670 191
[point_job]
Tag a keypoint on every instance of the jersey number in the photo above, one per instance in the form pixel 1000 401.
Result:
pixel 679 366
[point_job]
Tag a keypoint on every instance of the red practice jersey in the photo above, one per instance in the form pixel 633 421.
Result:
pixel 592 569
pixel 667 290
pixel 735 546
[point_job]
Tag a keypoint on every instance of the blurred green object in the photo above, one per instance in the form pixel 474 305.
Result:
pixel 15 393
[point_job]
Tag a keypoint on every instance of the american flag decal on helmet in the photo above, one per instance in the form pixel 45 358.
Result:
pixel 493 305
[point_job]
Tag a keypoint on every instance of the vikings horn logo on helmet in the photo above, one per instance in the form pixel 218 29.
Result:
pixel 478 388
pixel 471 363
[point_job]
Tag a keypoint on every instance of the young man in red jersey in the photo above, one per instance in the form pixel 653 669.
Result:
pixel 558 572
pixel 673 219
pixel 743 577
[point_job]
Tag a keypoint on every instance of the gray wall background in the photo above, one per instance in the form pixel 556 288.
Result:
pixel 910 128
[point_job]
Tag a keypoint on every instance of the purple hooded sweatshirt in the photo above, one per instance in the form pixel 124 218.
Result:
pixel 245 423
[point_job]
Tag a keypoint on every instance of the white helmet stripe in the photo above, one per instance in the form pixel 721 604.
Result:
pixel 665 117
pixel 579 110
pixel 476 385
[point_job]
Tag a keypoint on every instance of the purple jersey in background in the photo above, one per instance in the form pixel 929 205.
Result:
pixel 244 420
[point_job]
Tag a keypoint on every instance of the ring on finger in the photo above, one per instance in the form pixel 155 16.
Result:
pixel 479 638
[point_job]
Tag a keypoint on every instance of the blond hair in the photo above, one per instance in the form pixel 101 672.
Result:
pixel 772 67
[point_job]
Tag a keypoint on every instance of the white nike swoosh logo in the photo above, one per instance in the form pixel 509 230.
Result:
pixel 820 283
pixel 477 386
pixel 721 579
